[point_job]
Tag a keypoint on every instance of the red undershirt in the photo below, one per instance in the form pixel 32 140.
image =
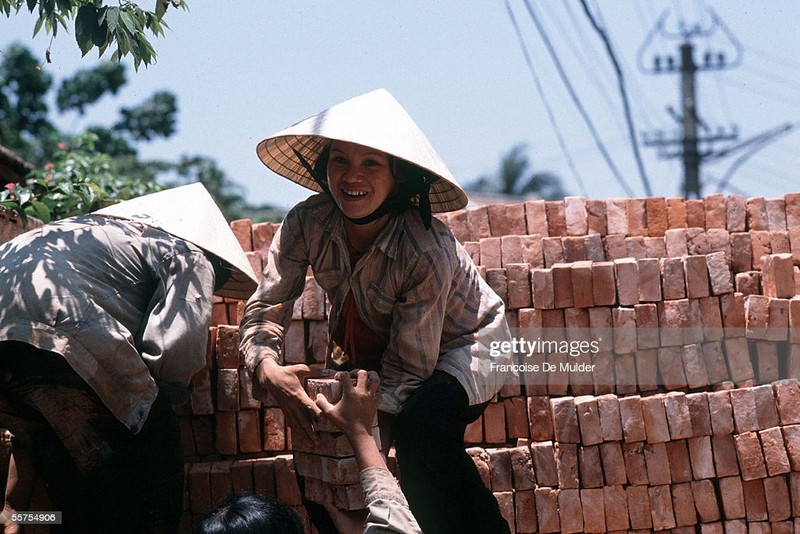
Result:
pixel 363 346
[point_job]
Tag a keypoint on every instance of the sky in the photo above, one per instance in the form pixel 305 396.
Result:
pixel 244 70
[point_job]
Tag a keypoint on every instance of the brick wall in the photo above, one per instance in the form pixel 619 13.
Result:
pixel 690 420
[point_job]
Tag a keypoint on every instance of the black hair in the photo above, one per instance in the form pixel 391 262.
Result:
pixel 250 513
pixel 222 270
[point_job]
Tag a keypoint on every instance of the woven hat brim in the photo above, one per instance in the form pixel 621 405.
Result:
pixel 277 154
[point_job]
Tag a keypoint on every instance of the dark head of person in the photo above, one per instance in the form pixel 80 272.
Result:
pixel 251 514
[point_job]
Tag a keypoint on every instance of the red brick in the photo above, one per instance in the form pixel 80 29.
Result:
pixel 656 216
pixel 286 486
pixel 670 364
pixel 776 492
pixel 603 284
pixel 543 288
pixel 787 396
pixel 199 483
pixel 755 502
pixel 522 468
pixel 220 481
pixel 757 214
pixel 695 213
pixel 575 215
pixel 699 413
pixel 696 276
pixel 590 467
pixel 615 508
pixel 552 250
pixel 675 243
pixel 249 431
pixel 694 366
pixel 480 458
pixel 732 497
pixel 683 505
pixel 478 222
pixel 719 274
pixel 726 462
pixel 679 421
pixel 715 362
pixel 745 413
pixel 661 507
pixel 636 248
pixel 627 277
pixel 225 430
pixel 491 252
pixel 567 464
pixel 791 436
pixel 610 422
pixel 540 417
pixel 775 457
pixel 741 252
pixel 616 247
pixel 751 458
pixel 262 236
pixel 519 285
pixel 501 473
pixel 738 354
pixel 525 512
pixel 632 416
pixel 547 503
pixel 766 412
pixel 701 456
pixel 676 212
pixel 274 430
pixel 654 247
pixel 494 423
pixel 736 212
pixel 613 462
pixel 635 463
pixel 649 270
pixel 705 501
pixel 264 476
pixel 761 244
pixel 657 462
pixel 680 466
pixel 777 275
pixel 544 463
pixel 556 218
pixel 242 229
pixel 201 399
pixel 565 420
pixel 673 278
pixel 616 216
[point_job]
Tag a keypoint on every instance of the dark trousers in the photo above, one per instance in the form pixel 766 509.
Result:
pixel 100 475
pixel 440 480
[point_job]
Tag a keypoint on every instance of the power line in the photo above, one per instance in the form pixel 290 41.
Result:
pixel 577 101
pixel 548 109
pixel 623 94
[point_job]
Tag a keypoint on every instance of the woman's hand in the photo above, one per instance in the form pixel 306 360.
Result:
pixel 355 413
pixel 285 382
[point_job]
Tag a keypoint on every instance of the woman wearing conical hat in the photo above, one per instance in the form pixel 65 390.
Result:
pixel 406 299
pixel 103 322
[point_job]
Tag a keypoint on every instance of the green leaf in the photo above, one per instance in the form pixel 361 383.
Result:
pixel 32 5
pixel 85 24
pixel 161 8
pixel 38 25
pixel 40 211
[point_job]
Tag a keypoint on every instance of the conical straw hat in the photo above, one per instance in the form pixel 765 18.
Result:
pixel 190 213
pixel 375 120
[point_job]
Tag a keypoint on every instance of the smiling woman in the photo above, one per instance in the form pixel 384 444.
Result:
pixel 406 300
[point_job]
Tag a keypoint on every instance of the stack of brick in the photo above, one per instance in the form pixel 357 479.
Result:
pixel 689 420
pixel 328 467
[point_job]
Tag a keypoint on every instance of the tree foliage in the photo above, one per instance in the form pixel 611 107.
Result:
pixel 106 156
pixel 514 179
pixel 79 180
pixel 124 26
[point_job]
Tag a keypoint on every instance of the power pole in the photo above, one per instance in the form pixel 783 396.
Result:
pixel 694 146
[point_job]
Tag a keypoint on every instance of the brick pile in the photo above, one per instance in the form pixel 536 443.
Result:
pixel 689 422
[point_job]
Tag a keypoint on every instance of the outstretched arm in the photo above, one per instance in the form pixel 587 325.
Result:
pixel 354 414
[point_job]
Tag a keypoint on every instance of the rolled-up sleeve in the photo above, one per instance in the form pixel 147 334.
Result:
pixel 269 311
pixel 387 508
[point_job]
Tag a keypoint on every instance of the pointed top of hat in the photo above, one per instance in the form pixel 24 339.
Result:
pixel 189 212
pixel 374 119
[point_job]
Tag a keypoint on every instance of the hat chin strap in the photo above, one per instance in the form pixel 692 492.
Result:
pixel 396 203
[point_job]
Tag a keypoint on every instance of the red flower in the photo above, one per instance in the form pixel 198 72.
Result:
pixel 11 186
pixel 49 165
pixel 62 146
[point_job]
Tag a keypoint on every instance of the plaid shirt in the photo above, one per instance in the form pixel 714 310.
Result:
pixel 418 289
